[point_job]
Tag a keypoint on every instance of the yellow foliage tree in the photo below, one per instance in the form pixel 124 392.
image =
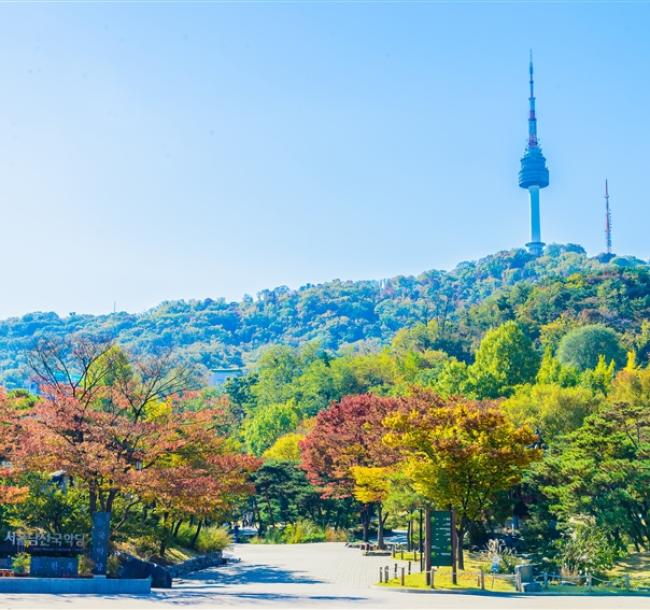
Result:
pixel 372 486
pixel 285 449
pixel 460 453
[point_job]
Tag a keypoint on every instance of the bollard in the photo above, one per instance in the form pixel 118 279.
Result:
pixel 589 582
pixel 386 574
pixel 481 579
pixel 381 575
pixel 432 577
pixel 546 580
pixel 409 568
pixel 626 580
pixel 395 571
pixel 402 553
pixel 401 577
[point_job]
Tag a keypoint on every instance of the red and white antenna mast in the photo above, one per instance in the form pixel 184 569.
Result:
pixel 608 220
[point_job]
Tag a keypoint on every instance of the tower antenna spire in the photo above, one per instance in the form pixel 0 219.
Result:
pixel 608 220
pixel 532 119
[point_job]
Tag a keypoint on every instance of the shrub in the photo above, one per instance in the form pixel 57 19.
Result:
pixel 20 563
pixel 303 531
pixel 113 566
pixel 85 565
pixel 271 536
pixel 185 534
pixel 299 532
pixel 213 539
pixel 337 535
pixel 585 547
pixel 146 546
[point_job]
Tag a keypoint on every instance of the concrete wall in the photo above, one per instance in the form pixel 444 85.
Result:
pixel 111 586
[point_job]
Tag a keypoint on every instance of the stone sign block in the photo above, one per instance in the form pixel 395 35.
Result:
pixel 53 567
pixel 100 532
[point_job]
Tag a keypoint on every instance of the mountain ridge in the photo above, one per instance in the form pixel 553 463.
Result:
pixel 213 333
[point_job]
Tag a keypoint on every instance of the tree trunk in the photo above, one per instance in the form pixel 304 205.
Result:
pixel 427 539
pixel 409 527
pixel 92 501
pixel 196 533
pixel 380 528
pixel 365 521
pixel 460 557
pixel 177 527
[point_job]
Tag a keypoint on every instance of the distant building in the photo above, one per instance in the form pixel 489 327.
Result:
pixel 533 174
pixel 220 376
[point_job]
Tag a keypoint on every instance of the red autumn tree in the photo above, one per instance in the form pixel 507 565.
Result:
pixel 203 479
pixel 348 434
pixel 118 428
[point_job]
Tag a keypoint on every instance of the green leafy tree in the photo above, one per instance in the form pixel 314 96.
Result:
pixel 603 470
pixel 454 380
pixel 553 372
pixel 583 346
pixel 599 379
pixel 551 409
pixel 505 358
pixel 267 424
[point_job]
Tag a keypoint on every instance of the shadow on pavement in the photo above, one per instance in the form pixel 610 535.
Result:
pixel 189 597
pixel 245 574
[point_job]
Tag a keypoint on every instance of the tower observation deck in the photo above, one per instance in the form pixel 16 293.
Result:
pixel 533 174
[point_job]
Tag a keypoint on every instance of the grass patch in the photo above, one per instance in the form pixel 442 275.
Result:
pixel 467 580
pixel 473 561
pixel 636 566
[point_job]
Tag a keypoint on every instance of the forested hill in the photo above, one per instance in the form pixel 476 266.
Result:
pixel 216 333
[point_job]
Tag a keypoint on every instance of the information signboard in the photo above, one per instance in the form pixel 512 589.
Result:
pixel 441 538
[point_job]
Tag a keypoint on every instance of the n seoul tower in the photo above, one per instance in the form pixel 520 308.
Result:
pixel 533 174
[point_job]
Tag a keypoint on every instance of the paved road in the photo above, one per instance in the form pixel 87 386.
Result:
pixel 305 576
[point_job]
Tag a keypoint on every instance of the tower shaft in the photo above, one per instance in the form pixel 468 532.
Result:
pixel 535 245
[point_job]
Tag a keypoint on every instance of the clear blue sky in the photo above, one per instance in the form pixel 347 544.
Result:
pixel 160 151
